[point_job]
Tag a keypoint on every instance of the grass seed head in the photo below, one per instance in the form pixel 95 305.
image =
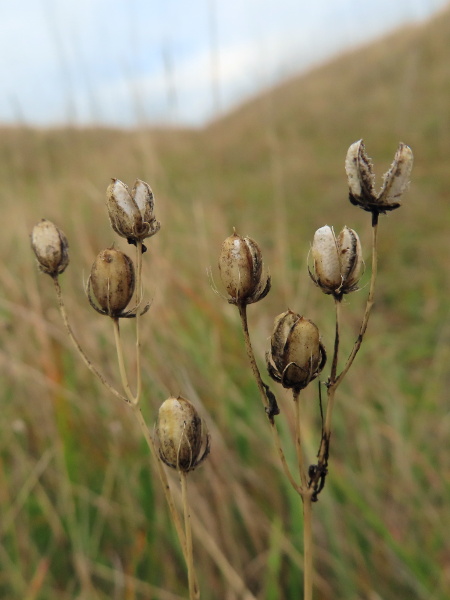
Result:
pixel 51 247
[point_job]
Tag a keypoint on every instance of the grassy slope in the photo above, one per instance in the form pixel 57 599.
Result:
pixel 75 496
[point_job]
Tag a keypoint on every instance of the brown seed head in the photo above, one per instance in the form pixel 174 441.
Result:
pixel 112 281
pixel 296 355
pixel 337 261
pixel 241 270
pixel 50 247
pixel 131 213
pixel 183 443
pixel 361 179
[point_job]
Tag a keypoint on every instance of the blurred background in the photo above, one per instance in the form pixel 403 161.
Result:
pixel 238 115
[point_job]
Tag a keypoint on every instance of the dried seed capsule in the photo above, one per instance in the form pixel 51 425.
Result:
pixel 337 261
pixel 183 442
pixel 112 282
pixel 296 355
pixel 131 214
pixel 361 179
pixel 50 247
pixel 241 270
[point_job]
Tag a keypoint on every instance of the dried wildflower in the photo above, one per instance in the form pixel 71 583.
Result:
pixel 183 440
pixel 337 261
pixel 296 354
pixel 131 214
pixel 111 282
pixel 361 179
pixel 50 247
pixel 241 270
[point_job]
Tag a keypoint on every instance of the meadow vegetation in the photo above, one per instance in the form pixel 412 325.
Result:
pixel 81 512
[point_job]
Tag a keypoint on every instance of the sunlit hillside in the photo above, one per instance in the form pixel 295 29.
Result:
pixel 81 511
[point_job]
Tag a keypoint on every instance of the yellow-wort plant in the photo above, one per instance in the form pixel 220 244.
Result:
pixel 296 355
pixel 181 440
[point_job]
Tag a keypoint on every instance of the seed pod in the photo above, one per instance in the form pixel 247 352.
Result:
pixel 361 180
pixel 50 247
pixel 131 214
pixel 112 282
pixel 296 355
pixel 337 262
pixel 183 443
pixel 241 270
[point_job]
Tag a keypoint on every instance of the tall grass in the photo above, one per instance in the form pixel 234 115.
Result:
pixel 81 515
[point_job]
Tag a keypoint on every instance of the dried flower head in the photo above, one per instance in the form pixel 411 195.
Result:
pixel 50 247
pixel 338 263
pixel 296 354
pixel 131 213
pixel 111 282
pixel 183 440
pixel 241 270
pixel 361 179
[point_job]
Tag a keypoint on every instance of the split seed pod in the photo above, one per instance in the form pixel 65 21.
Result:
pixel 131 213
pixel 112 283
pixel 361 179
pixel 50 247
pixel 296 354
pixel 338 263
pixel 241 270
pixel 183 440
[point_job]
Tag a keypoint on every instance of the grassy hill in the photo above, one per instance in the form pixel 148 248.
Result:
pixel 82 515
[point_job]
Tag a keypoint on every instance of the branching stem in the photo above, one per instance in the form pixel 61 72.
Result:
pixel 79 349
pixel 264 400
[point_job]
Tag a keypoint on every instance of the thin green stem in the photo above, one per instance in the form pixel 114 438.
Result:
pixel 194 592
pixel 73 339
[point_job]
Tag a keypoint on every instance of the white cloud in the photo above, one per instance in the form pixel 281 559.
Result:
pixel 117 61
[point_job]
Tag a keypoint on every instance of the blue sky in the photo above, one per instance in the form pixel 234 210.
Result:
pixel 123 62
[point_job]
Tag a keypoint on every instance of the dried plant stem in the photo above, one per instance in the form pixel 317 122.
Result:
pixel 251 355
pixel 298 440
pixel 138 331
pixel 308 570
pixel 335 380
pixel 194 592
pixel 263 395
pixel 148 437
pixel 331 392
pixel 162 476
pixel 369 303
pixel 134 402
pixel 121 361
pixel 306 496
pixel 87 362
